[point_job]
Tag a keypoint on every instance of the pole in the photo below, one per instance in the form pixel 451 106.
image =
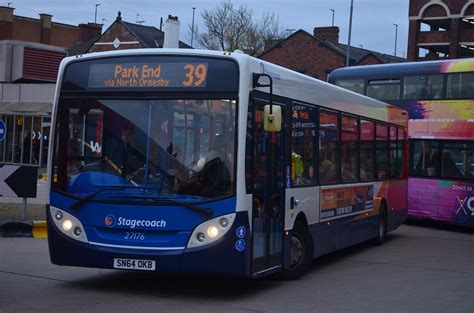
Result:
pixel 24 209
pixel 396 37
pixel 332 16
pixel 192 28
pixel 350 33
pixel 95 16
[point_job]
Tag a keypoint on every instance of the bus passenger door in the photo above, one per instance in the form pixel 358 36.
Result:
pixel 268 194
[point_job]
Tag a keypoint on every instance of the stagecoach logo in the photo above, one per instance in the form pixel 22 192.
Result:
pixel 466 203
pixel 110 220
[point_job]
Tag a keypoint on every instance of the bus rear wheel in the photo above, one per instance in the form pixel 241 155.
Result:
pixel 301 252
pixel 382 225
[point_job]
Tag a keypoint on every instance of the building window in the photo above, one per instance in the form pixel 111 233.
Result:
pixel 26 139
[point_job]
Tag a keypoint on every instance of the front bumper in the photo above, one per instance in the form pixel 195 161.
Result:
pixel 221 257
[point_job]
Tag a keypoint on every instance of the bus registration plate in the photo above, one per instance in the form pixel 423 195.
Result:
pixel 134 264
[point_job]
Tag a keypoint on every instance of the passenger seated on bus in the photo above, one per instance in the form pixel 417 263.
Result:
pixel 367 169
pixel 426 164
pixel 327 172
pixel 347 173
pixel 467 91
pixel 424 93
pixel 211 178
pixel 124 155
pixel 449 168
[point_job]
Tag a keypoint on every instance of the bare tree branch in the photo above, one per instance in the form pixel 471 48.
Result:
pixel 229 28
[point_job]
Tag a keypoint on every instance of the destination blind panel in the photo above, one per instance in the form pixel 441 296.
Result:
pixel 148 75
pixel 152 73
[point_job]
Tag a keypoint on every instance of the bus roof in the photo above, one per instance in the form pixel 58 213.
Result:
pixel 286 83
pixel 397 70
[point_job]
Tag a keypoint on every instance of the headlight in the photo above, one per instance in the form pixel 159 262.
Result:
pixel 68 224
pixel 211 230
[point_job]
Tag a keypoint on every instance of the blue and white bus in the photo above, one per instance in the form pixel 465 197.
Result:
pixel 217 163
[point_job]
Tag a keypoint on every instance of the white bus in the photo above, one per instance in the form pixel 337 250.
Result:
pixel 177 160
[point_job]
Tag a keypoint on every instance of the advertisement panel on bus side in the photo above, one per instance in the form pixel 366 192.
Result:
pixel 347 201
pixel 441 119
pixel 451 201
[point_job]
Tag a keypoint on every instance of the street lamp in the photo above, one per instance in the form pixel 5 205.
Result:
pixel 350 33
pixel 332 16
pixel 192 28
pixel 396 37
pixel 95 16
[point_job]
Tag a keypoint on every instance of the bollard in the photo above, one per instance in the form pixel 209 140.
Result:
pixel 24 208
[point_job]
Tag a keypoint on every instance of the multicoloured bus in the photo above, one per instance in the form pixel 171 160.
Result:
pixel 217 163
pixel 439 98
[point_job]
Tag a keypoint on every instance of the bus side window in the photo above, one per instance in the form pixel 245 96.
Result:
pixel 367 150
pixel 303 145
pixel 400 151
pixel 329 149
pixel 393 153
pixel 424 156
pixel 349 149
pixel 381 152
pixel 459 86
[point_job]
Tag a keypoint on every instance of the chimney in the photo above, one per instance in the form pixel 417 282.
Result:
pixel 45 20
pixel 6 23
pixel 171 32
pixel 330 33
pixel 89 30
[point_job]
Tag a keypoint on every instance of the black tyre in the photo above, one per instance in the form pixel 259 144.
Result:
pixel 382 225
pixel 301 252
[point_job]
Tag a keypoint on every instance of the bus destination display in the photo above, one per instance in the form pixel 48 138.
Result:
pixel 148 75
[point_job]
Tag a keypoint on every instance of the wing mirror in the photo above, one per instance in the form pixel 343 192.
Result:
pixel 271 113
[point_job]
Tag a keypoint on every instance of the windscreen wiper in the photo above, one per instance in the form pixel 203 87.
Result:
pixel 86 199
pixel 161 200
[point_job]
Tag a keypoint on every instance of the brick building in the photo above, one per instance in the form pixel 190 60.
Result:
pixel 318 54
pixel 43 30
pixel 124 35
pixel 441 29
pixel 30 53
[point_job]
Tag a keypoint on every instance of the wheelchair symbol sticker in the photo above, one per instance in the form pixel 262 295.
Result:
pixel 240 245
pixel 241 232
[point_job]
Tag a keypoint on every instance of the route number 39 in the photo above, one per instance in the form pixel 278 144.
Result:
pixel 195 74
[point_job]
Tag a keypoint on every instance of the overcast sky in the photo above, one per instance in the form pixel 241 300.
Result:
pixel 372 20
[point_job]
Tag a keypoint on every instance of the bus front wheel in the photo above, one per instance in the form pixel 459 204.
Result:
pixel 382 225
pixel 301 252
